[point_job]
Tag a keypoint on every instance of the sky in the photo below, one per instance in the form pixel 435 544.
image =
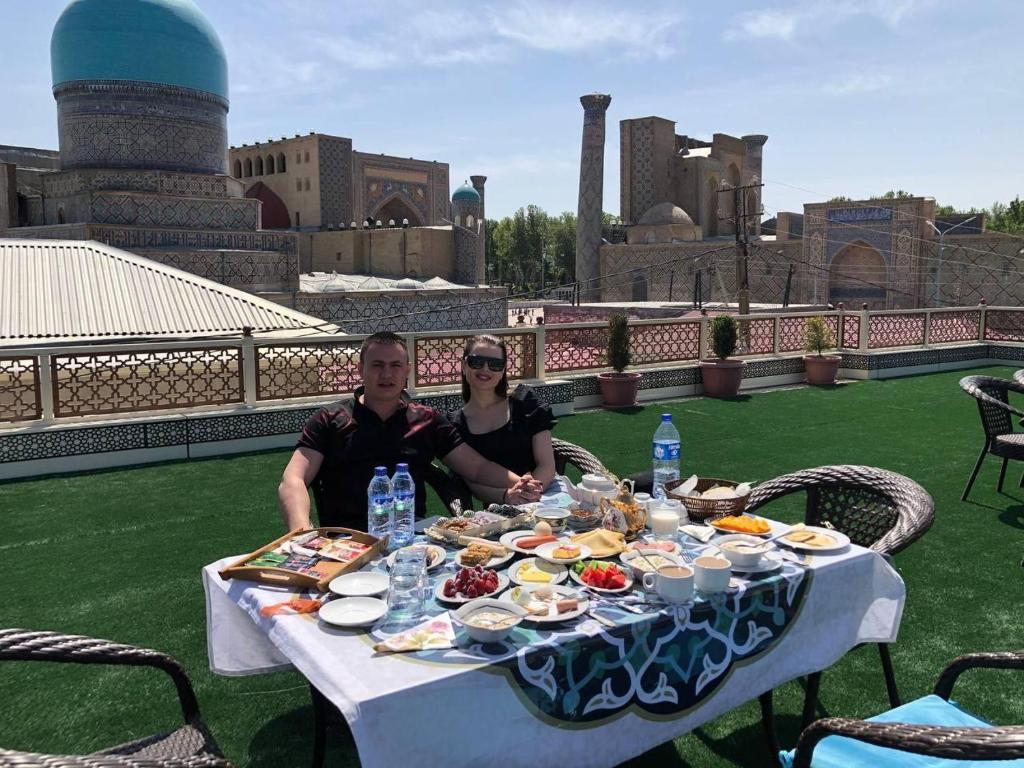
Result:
pixel 857 96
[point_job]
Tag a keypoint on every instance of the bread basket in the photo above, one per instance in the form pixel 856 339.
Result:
pixel 700 510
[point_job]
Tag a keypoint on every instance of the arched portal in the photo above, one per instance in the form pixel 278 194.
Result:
pixel 273 213
pixel 270 164
pixel 248 168
pixel 858 274
pixel 258 166
pixel 281 165
pixel 396 208
pixel 237 167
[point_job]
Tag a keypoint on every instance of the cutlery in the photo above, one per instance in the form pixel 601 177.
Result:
pixel 600 619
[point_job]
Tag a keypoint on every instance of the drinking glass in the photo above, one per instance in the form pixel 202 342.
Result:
pixel 408 585
pixel 664 518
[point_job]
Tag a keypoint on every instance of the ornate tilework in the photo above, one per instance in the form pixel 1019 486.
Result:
pixel 335 170
pixel 591 190
pixel 409 310
pixel 136 209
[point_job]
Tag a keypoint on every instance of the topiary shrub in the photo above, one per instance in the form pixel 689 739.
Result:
pixel 817 335
pixel 723 335
pixel 618 343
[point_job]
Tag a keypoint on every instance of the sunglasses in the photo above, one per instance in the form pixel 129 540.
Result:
pixel 476 362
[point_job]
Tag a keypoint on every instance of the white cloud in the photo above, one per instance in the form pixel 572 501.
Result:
pixel 806 18
pixel 859 84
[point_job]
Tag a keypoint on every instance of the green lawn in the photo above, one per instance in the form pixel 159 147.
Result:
pixel 117 554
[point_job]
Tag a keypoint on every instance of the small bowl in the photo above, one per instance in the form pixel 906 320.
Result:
pixel 743 559
pixel 481 634
pixel 556 517
pixel 629 556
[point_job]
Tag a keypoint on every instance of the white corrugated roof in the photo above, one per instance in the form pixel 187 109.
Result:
pixel 73 290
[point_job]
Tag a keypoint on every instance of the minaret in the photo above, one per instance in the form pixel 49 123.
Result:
pixel 481 262
pixel 467 234
pixel 590 213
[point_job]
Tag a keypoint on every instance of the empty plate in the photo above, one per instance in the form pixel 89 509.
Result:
pixel 360 584
pixel 353 611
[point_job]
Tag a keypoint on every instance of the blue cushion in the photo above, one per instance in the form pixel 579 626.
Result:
pixel 841 752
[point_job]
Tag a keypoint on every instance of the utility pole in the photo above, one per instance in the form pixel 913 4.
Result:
pixel 789 284
pixel 739 219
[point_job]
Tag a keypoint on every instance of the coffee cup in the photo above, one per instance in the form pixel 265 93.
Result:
pixel 673 583
pixel 711 573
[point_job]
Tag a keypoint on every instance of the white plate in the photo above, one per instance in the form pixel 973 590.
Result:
pixel 559 573
pixel 439 591
pixel 494 562
pixel 436 554
pixel 712 523
pixel 649 549
pixel 360 584
pixel 544 551
pixel 770 561
pixel 353 611
pixel 625 569
pixel 628 557
pixel 842 541
pixel 509 540
pixel 561 589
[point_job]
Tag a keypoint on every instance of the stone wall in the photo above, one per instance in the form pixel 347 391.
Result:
pixel 974 267
pixel 401 311
pixel 254 271
pixel 419 252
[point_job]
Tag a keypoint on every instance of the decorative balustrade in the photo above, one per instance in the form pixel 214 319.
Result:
pixel 97 380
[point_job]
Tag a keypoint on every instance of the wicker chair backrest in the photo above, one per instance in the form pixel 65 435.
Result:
pixel 995 420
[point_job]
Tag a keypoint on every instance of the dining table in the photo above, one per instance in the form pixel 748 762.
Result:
pixel 624 677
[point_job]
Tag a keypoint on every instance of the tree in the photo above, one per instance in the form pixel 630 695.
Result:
pixel 1007 217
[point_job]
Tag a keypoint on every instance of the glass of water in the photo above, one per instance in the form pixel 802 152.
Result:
pixel 408 585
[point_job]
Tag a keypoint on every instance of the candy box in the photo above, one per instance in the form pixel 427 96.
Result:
pixel 307 559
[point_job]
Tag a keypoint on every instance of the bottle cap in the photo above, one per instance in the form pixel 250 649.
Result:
pixel 401 467
pixel 380 471
pixel 666 417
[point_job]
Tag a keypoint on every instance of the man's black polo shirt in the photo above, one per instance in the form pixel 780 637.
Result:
pixel 354 440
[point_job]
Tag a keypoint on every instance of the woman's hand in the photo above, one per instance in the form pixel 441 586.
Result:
pixel 527 489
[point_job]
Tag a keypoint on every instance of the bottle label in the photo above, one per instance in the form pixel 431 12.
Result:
pixel 666 451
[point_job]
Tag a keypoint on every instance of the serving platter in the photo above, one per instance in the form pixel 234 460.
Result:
pixel 561 592
pixel 714 524
pixel 559 573
pixel 842 541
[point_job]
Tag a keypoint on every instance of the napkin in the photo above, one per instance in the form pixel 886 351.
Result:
pixel 699 532
pixel 436 633
pixel 295 605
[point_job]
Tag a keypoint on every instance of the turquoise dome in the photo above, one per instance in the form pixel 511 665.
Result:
pixel 169 42
pixel 466 193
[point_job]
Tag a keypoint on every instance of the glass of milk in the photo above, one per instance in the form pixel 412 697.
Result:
pixel 664 518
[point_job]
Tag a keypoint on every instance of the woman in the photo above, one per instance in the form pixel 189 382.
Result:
pixel 511 430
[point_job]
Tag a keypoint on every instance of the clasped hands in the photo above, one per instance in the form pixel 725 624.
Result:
pixel 525 490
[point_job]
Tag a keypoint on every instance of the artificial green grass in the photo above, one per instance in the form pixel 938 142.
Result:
pixel 117 554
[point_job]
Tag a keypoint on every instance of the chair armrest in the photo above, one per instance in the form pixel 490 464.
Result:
pixel 11 759
pixel 29 645
pixel 935 741
pixel 566 452
pixel 969 384
pixel 1004 660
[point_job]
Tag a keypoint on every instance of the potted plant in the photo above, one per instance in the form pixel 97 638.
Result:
pixel 618 389
pixel 821 369
pixel 722 377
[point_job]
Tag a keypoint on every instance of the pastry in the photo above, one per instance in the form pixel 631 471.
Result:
pixel 475 554
pixel 602 542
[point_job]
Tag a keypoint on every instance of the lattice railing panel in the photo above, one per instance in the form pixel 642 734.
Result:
pixel 19 389
pixel 753 337
pixel 792 333
pixel 305 370
pixel 87 384
pixel 439 358
pixel 954 326
pixel 896 330
pixel 851 332
pixel 1004 325
pixel 575 349
pixel 664 343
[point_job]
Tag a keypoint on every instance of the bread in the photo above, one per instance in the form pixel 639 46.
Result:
pixel 602 542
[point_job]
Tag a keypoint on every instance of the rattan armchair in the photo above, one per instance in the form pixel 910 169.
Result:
pixel 566 454
pixel 877 509
pixel 992 394
pixel 189 746
pixel 953 743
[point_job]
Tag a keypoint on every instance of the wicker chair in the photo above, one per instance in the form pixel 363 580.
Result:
pixel 915 730
pixel 877 509
pixel 992 394
pixel 190 746
pixel 566 454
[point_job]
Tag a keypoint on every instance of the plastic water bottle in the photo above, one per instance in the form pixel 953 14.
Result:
pixel 665 454
pixel 403 491
pixel 380 506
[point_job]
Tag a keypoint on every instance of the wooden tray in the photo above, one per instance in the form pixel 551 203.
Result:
pixel 328 569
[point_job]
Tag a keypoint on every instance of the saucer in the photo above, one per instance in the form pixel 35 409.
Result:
pixel 770 561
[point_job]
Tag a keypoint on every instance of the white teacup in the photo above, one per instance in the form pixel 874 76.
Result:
pixel 673 583
pixel 711 574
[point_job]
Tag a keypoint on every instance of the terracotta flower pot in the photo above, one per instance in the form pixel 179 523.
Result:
pixel 722 377
pixel 618 390
pixel 821 369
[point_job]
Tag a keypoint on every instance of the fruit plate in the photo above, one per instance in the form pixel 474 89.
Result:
pixel 493 563
pixel 435 557
pixel 545 551
pixel 353 611
pixel 509 540
pixel 459 599
pixel 842 541
pixel 559 573
pixel 578 578
pixel 559 591
pixel 714 524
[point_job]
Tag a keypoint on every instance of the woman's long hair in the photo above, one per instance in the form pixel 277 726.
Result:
pixel 485 338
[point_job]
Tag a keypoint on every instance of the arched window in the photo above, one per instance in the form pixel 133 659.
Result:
pixel 280 162
pixel 60 214
pixel 248 167
pixel 270 164
pixel 258 169
pixel 306 158
pixel 307 184
pixel 469 221
pixel 238 168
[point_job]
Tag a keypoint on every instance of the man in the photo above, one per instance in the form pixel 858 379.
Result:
pixel 378 426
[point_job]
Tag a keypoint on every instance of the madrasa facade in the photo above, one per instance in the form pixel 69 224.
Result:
pixel 141 89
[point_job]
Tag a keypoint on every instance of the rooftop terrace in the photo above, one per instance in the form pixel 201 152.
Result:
pixel 117 554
